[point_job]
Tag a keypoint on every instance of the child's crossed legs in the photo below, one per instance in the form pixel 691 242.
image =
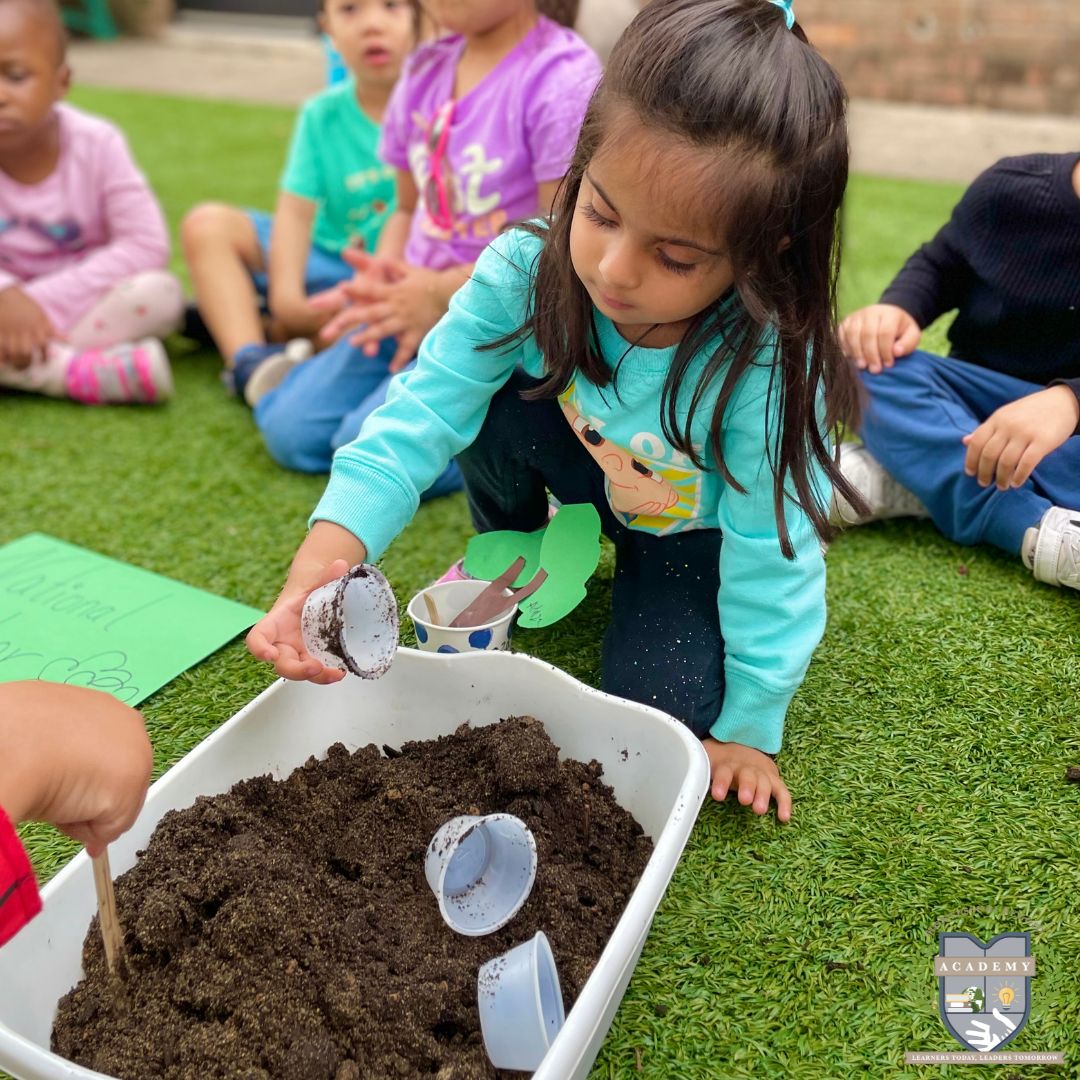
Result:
pixel 113 353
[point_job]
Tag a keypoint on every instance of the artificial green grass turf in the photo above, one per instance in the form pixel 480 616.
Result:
pixel 925 751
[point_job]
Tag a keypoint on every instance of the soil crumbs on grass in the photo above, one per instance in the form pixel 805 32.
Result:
pixel 286 930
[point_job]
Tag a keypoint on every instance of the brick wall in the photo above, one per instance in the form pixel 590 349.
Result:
pixel 1002 54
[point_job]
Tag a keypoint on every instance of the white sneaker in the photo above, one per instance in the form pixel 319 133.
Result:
pixel 885 496
pixel 272 371
pixel 1057 548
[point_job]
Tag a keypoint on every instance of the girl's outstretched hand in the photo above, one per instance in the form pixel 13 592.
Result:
pixel 276 636
pixel 751 774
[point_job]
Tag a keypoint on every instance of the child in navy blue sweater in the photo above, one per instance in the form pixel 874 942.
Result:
pixel 985 441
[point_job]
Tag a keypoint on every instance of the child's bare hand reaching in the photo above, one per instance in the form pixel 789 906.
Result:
pixel 751 774
pixel 276 637
pixel 326 554
pixel 74 757
pixel 1007 447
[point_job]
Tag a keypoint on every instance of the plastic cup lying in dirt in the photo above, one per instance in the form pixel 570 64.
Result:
pixel 521 1005
pixel 450 598
pixel 481 869
pixel 351 623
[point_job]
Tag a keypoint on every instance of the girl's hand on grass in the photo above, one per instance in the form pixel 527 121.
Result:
pixel 1010 443
pixel 751 774
pixel 875 336
pixel 74 757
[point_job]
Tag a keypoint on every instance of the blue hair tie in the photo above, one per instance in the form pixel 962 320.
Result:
pixel 785 6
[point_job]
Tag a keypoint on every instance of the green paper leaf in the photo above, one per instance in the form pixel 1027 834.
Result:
pixel 569 553
pixel 489 554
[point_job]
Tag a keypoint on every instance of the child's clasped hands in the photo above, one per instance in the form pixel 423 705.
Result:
pixel 386 298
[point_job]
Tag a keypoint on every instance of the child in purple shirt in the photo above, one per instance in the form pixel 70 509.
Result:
pixel 84 294
pixel 481 127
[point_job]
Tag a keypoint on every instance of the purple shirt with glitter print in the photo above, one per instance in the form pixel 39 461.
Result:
pixel 514 130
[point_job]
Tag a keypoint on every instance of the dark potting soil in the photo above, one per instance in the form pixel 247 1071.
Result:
pixel 286 929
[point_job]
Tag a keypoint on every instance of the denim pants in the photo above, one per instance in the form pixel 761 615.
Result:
pixel 322 404
pixel 323 269
pixel 662 645
pixel 917 413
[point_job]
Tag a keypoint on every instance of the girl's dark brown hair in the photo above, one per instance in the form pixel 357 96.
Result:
pixel 729 78
pixel 561 11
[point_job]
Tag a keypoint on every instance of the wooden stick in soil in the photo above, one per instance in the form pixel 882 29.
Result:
pixel 111 934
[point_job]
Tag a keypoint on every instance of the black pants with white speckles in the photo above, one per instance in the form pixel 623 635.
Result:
pixel 663 645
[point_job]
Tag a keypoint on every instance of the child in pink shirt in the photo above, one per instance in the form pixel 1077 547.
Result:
pixel 84 294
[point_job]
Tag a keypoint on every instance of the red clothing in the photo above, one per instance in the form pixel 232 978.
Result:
pixel 19 900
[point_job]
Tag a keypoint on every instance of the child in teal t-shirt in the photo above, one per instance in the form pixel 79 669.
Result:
pixel 333 162
pixel 252 274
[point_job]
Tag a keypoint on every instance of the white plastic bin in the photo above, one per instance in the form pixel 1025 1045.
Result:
pixel 658 770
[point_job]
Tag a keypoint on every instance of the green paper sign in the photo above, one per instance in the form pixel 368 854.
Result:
pixel 568 549
pixel 69 615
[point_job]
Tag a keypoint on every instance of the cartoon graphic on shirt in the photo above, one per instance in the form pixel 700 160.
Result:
pixel 646 491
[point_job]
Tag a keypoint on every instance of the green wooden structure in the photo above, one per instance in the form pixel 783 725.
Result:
pixel 91 17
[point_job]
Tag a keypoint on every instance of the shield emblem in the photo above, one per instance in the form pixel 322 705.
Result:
pixel 984 1005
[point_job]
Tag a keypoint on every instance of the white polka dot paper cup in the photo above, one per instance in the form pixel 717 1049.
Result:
pixel 451 598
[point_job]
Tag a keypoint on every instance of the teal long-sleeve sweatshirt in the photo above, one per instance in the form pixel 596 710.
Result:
pixel 772 609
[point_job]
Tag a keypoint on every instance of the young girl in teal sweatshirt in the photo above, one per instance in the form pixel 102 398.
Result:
pixel 665 349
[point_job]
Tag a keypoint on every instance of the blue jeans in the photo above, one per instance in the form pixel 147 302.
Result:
pixel 322 404
pixel 918 411
pixel 324 269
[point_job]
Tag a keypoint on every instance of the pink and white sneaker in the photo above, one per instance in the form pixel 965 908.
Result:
pixel 135 373
pixel 455 573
